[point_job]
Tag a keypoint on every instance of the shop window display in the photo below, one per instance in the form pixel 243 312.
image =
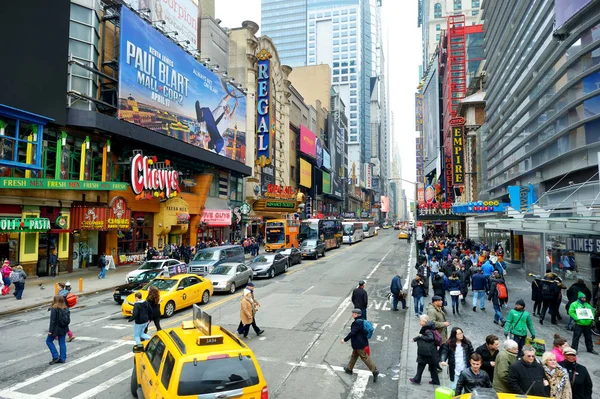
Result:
pixel 569 264
pixel 139 238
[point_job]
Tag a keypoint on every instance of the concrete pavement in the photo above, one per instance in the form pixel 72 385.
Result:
pixel 476 326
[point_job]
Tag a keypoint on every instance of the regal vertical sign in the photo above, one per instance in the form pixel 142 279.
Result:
pixel 263 109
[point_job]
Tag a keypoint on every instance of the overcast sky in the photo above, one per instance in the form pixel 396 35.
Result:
pixel 403 53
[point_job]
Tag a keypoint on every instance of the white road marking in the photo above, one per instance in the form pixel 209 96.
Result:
pixel 308 290
pixel 359 387
pixel 377 266
pixel 116 326
pixel 19 395
pixel 83 376
pixel 104 386
pixel 385 327
pixel 316 366
pixel 407 281
pixel 60 369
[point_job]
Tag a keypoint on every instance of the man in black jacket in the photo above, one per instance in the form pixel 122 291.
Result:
pixel 526 375
pixel 360 298
pixel 473 377
pixel 141 316
pixel 359 342
pixel 581 383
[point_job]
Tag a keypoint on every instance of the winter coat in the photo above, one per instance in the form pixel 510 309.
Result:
pixel 487 357
pixel 560 387
pixel 423 270
pixel 438 318
pixel 6 271
pixel 503 362
pixel 439 286
pixel 396 285
pixel 18 276
pixel 479 282
pixel 426 351
pixel 468 381
pixel 493 292
pixel 558 353
pixel 580 305
pixel 454 284
pixel 55 329
pixel 579 377
pixel 141 312
pixel 574 290
pixel 465 279
pixel 550 289
pixel 418 290
pixel 524 377
pixel 536 290
pixel 360 298
pixel 448 355
pixel 246 310
pixel 518 323
pixel 357 336
pixel 487 268
pixel 154 309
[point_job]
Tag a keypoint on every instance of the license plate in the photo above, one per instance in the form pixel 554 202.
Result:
pixel 123 297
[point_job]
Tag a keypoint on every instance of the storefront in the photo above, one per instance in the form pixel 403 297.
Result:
pixel 214 225
pixel 19 238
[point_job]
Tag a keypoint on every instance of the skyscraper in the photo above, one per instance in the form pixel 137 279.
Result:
pixel 284 21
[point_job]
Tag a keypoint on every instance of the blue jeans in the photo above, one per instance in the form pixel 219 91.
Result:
pixel 138 333
pixel 19 288
pixel 61 344
pixel 419 302
pixel 481 295
pixel 397 298
pixel 102 273
pixel 454 301
pixel 498 316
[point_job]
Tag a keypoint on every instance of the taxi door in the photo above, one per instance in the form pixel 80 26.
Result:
pixel 194 290
pixel 182 295
pixel 150 364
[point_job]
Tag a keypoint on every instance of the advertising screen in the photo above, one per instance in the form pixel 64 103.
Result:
pixel 326 183
pixel 305 174
pixel 326 160
pixel 163 88
pixel 308 142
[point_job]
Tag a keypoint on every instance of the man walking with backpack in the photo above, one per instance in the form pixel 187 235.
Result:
pixel 498 294
pixel 358 337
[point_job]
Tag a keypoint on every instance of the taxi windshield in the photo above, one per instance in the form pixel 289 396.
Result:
pixel 217 375
pixel 161 285
pixel 222 270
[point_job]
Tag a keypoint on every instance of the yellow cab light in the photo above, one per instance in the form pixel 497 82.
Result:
pixel 187 325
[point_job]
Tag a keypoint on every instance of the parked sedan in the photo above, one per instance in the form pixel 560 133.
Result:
pixel 269 265
pixel 294 255
pixel 229 276
pixel 312 248
pixel 153 264
pixel 122 291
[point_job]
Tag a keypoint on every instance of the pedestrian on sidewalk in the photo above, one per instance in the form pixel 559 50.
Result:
pixel 418 293
pixel 358 340
pixel 558 347
pixel 438 317
pixel 439 287
pixel 465 281
pixel 17 277
pixel 518 322
pixel 455 289
pixel 473 376
pixel 505 358
pixel 249 292
pixel 64 292
pixel 59 325
pixel 153 300
pixel 583 316
pixel 427 353
pixel 526 376
pixel 102 266
pixel 550 295
pixel 536 296
pixel 53 262
pixel 498 294
pixel 479 282
pixel 435 268
pixel 579 377
pixel 246 314
pixel 455 354
pixel 397 293
pixel 360 298
pixel 6 270
pixel 489 352
pixel 140 317
pixel 557 376
pixel 576 288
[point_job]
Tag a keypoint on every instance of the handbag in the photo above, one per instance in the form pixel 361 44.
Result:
pixel 538 344
pixel 455 293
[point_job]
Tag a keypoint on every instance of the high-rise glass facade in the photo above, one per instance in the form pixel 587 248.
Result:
pixel 284 21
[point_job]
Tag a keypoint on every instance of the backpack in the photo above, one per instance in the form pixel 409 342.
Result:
pixel 368 328
pixel 547 289
pixel 64 318
pixel 502 291
pixel 71 299
pixel 437 338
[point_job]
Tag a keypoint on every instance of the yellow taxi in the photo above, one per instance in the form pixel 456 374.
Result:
pixel 196 360
pixel 403 234
pixel 176 292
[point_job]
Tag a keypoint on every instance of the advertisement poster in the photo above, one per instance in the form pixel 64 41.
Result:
pixel 326 183
pixel 163 88
pixel 308 141
pixel 305 174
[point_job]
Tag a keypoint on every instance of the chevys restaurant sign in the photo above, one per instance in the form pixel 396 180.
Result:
pixel 152 179
pixel 216 217
pixel 263 109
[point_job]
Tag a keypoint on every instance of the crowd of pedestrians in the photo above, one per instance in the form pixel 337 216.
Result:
pixel 450 266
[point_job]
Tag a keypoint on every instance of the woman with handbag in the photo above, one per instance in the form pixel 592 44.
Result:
pixel 455 288
pixel 518 322
pixel 456 353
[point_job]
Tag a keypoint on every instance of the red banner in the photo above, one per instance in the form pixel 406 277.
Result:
pixel 119 215
pixel 89 217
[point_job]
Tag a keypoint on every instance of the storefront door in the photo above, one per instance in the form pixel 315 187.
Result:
pixel 48 243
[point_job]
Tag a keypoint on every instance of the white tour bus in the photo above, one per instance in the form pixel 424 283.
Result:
pixel 352 232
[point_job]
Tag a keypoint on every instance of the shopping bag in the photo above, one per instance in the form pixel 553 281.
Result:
pixel 538 344
pixel 444 391
pixel 5 290
pixel 368 350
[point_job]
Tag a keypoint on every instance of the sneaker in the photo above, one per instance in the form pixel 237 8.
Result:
pixel 496 322
pixel 434 383
pixel 593 352
pixel 71 338
pixel 414 381
pixel 483 309
pixel 541 322
pixel 54 361
pixel 375 375
pixel 347 371
pixel 247 337
pixel 503 323
pixel 260 332
pixel 474 308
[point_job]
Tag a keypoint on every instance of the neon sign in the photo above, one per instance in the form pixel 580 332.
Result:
pixel 263 109
pixel 152 179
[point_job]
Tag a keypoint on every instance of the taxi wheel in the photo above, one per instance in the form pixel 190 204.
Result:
pixel 232 288
pixel 134 383
pixel 169 309
pixel 205 296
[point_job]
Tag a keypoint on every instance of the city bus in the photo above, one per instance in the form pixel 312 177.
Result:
pixel 281 233
pixel 327 230
pixel 353 232
pixel 368 229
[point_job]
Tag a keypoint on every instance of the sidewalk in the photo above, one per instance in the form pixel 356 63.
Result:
pixel 40 290
pixel 476 326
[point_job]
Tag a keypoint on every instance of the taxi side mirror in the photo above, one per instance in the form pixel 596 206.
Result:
pixel 138 348
pixel 180 287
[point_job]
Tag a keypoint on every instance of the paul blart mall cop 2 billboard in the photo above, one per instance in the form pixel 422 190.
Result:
pixel 163 88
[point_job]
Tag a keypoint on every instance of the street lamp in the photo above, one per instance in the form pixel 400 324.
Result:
pixel 413 183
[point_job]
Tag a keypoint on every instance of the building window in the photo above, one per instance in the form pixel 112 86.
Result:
pixel 474 3
pixel 437 10
pixel 139 238
pixel 293 172
pixel 437 37
pixel 336 79
pixel 457 4
pixel 438 27
pixel 475 13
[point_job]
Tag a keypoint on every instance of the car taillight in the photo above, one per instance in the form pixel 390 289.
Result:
pixel 264 394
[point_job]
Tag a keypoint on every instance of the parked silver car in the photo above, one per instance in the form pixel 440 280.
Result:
pixel 226 277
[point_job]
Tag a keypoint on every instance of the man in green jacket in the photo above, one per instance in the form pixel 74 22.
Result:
pixel 505 358
pixel 518 322
pixel 583 316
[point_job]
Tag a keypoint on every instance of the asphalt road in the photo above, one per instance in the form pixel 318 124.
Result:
pixel 305 313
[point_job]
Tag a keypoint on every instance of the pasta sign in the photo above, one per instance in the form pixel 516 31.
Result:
pixel 263 109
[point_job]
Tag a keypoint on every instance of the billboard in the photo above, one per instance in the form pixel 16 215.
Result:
pixel 458 164
pixel 326 160
pixel 566 9
pixel 368 176
pixel 180 16
pixel 264 84
pixel 305 174
pixel 431 120
pixel 326 183
pixel 385 203
pixel 419 159
pixel 419 112
pixel 308 141
pixel 163 88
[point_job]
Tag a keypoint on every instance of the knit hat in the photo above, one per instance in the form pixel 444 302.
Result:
pixel 250 284
pixel 521 302
pixel 581 295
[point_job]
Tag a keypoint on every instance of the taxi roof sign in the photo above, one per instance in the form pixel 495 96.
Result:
pixel 173 270
pixel 209 340
pixel 202 320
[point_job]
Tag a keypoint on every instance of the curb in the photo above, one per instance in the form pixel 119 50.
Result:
pixel 403 377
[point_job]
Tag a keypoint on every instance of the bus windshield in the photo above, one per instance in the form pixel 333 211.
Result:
pixel 309 231
pixel 348 229
pixel 275 235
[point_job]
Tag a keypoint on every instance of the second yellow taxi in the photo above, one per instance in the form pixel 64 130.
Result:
pixel 176 292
